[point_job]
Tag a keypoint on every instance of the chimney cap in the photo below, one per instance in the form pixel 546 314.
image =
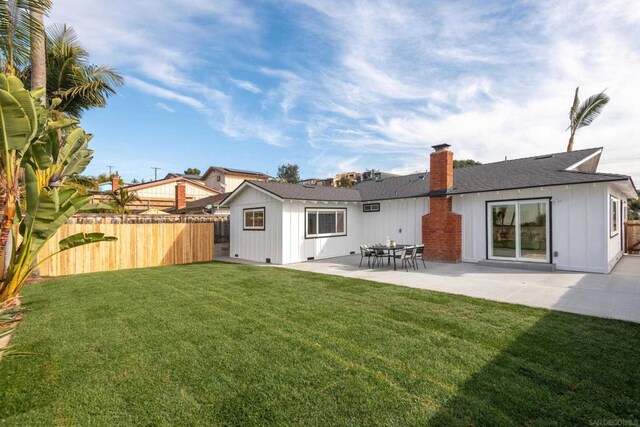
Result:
pixel 440 147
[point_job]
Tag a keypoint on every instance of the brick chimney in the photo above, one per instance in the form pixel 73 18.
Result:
pixel 441 228
pixel 115 183
pixel 181 195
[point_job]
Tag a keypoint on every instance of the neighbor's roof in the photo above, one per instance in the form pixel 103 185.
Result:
pixel 183 175
pixel 141 186
pixel 234 171
pixel 210 200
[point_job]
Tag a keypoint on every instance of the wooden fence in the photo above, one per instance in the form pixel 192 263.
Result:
pixel 632 233
pixel 143 241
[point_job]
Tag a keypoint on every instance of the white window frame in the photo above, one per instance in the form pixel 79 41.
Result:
pixel 614 216
pixel 253 211
pixel 316 211
pixel 517 203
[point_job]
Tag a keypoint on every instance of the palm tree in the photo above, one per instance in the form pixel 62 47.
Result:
pixel 72 78
pixel 38 55
pixel 120 199
pixel 582 115
pixel 20 24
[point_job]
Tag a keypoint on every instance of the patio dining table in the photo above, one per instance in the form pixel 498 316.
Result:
pixel 390 252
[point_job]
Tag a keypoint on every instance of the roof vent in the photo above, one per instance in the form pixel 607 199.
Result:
pixel 548 156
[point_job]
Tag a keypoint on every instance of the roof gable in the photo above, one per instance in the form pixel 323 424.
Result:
pixel 142 186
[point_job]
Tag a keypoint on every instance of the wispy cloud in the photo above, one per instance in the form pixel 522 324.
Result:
pixel 165 107
pixel 377 82
pixel 248 86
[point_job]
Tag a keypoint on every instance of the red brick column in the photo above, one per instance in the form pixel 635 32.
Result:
pixel 442 232
pixel 181 196
pixel 441 228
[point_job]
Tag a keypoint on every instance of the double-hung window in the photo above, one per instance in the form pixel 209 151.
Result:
pixel 254 219
pixel 326 223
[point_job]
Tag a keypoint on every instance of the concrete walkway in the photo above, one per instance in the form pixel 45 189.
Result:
pixel 616 295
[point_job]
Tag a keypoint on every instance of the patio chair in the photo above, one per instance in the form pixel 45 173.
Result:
pixel 366 252
pixel 406 257
pixel 418 254
pixel 379 254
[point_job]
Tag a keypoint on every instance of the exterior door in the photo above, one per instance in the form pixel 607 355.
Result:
pixel 519 230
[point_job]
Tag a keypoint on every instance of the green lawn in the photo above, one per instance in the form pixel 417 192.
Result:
pixel 225 344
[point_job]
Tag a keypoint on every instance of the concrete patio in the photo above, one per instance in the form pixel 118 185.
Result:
pixel 616 295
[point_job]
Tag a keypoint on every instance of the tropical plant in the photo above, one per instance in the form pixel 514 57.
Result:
pixel 48 153
pixel 72 78
pixel 20 25
pixel 120 199
pixel 583 114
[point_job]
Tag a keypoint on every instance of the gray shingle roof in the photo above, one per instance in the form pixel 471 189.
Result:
pixel 300 192
pixel 528 172
pixel 539 171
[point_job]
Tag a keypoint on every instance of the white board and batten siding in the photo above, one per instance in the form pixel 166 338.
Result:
pixel 256 245
pixel 297 248
pixel 398 219
pixel 579 222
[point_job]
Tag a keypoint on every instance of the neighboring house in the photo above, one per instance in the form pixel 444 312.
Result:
pixel 225 180
pixel 317 182
pixel 211 205
pixel 353 176
pixel 376 175
pixel 163 194
pixel 183 175
pixel 553 209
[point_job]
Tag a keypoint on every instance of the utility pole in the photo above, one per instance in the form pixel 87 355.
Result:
pixel 110 167
pixel 155 173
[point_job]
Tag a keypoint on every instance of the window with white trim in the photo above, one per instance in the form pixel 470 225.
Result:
pixel 254 219
pixel 613 217
pixel 326 223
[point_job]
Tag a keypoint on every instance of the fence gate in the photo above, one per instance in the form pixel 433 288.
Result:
pixel 222 236
pixel 632 237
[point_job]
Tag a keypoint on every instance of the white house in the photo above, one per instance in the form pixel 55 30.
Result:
pixel 553 210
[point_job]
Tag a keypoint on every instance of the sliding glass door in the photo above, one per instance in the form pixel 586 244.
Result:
pixel 519 230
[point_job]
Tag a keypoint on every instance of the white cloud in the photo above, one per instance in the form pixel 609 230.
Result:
pixel 248 86
pixel 165 107
pixel 378 82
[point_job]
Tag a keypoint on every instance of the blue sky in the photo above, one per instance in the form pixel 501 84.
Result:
pixel 350 85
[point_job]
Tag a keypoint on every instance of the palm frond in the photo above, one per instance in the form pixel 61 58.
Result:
pixel 17 27
pixel 72 78
pixel 574 109
pixel 590 109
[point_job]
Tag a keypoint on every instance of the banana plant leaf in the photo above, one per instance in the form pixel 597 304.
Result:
pixel 81 239
pixel 15 128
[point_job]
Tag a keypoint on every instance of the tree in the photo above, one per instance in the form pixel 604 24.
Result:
pixel 192 171
pixel 344 182
pixel 48 153
pixel 120 199
pixel 79 84
pixel 289 173
pixel 20 24
pixel 464 163
pixel 38 55
pixel 633 209
pixel 581 115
